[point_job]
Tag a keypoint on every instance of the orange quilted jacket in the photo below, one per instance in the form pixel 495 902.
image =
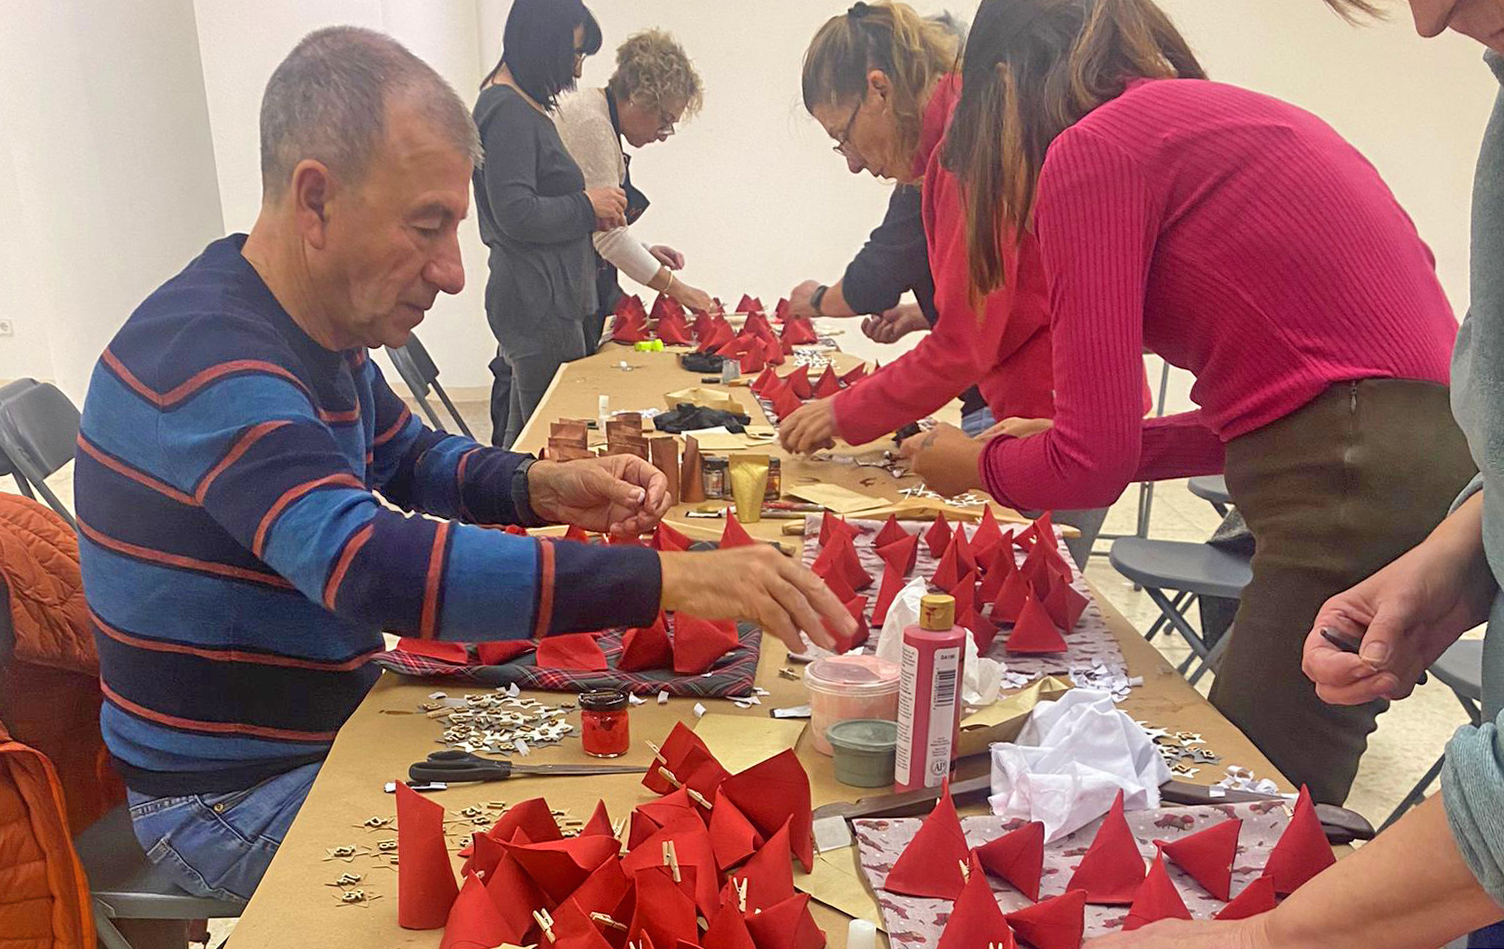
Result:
pixel 49 735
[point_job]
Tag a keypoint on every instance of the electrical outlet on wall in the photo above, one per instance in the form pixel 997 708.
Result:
pixel 7 328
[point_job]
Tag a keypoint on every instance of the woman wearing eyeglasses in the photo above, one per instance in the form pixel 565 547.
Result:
pixel 655 87
pixel 535 213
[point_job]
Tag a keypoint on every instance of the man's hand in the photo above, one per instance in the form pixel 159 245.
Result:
pixel 811 427
pixel 667 256
pixel 892 325
pixel 754 583
pixel 617 494
pixel 799 299
pixel 1017 428
pixel 945 458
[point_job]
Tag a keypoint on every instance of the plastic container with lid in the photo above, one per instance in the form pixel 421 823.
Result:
pixel 847 687
pixel 864 751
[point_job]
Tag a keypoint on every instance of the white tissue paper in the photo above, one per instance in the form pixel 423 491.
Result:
pixel 1070 761
pixel 982 678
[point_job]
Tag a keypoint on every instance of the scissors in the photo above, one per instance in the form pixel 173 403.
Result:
pixel 454 767
pixel 1352 648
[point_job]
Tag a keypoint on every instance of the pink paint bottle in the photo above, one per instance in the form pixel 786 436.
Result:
pixel 929 695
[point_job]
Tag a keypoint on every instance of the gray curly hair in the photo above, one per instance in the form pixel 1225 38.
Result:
pixel 653 69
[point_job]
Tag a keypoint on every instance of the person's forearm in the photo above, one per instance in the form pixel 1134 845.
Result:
pixel 1406 889
pixel 834 302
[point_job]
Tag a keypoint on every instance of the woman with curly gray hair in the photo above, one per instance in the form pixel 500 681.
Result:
pixel 654 88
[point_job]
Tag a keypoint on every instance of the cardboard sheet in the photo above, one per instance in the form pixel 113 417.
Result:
pixel 740 741
pixel 838 882
pixel 843 501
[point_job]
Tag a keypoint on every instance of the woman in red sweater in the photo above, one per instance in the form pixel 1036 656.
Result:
pixel 1242 239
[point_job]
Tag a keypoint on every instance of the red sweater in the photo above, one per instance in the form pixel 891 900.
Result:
pixel 1006 354
pixel 1238 237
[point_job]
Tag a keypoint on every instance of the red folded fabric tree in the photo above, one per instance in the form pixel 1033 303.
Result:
pixel 646 647
pixel 1008 604
pixel 667 538
pixel 608 890
pixel 630 305
pixel 1302 850
pixel 1207 856
pixel 828 384
pixel 937 538
pixel 840 554
pixel 728 930
pixel 1035 632
pixel 901 554
pixel 948 570
pixel 966 561
pixel 833 524
pixel 752 359
pixel 1156 899
pixel 558 867
pixel 734 534
pixel 664 913
pixel 700 643
pixel 435 649
pixel 983 631
pixel 976 921
pixel 784 402
pixel 675 333
pixel 720 334
pixel 772 353
pixel 704 326
pixel 515 896
pixel 738 344
pixel 890 531
pixel 703 775
pixel 573 929
pixel 533 817
pixel 799 332
pixel 577 652
pixel 671 757
pixel 1112 868
pixel 781 308
pixel 599 823
pixel 772 792
pixel 626 331
pixel 930 865
pixel 835 579
pixel 999 567
pixel 748 305
pixel 851 376
pixel 759 384
pixel 1043 527
pixel 798 383
pixel 1257 897
pixel 986 536
pixel 1037 569
pixel 1055 923
pixel 964 592
pixel 732 836
pixel 474 922
pixel 766 880
pixel 482 856
pixel 1065 604
pixel 787 925
pixel 692 851
pixel 425 880
pixel 857 607
pixel 666 305
pixel 887 590
pixel 758 325
pixel 1017 857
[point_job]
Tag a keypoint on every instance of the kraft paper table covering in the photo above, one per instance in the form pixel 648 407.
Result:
pixel 292 904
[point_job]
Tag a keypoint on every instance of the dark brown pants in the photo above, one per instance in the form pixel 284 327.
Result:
pixel 1331 493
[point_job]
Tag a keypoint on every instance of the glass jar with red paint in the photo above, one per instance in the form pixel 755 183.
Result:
pixel 604 726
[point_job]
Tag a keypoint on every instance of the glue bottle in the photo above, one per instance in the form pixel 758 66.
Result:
pixel 929 695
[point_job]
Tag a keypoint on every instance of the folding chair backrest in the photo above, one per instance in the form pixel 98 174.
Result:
pixel 38 432
pixel 421 374
pixel 408 371
pixel 427 370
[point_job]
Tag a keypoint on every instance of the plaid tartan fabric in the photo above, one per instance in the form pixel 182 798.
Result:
pixel 732 675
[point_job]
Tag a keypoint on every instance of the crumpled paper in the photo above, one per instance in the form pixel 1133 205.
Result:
pixel 983 677
pixel 1070 761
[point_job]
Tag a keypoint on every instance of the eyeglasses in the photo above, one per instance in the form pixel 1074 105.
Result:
pixel 844 142
pixel 666 122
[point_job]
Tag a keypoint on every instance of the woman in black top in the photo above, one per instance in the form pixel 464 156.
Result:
pixel 534 212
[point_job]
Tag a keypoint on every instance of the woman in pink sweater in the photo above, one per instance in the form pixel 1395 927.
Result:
pixel 1240 238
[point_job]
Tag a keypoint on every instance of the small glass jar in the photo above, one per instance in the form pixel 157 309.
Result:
pixel 604 725
pixel 775 480
pixel 715 472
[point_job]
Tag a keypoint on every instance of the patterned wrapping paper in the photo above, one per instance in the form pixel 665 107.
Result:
pixel 917 922
pixel 1091 642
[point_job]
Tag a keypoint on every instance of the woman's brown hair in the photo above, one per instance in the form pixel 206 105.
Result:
pixel 1033 68
pixel 912 51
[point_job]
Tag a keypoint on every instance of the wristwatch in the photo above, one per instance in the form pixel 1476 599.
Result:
pixel 817 297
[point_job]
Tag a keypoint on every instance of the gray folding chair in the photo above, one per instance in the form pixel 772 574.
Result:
pixel 421 374
pixel 6 468
pixel 126 885
pixel 1213 490
pixel 38 434
pixel 1190 570
pixel 1460 668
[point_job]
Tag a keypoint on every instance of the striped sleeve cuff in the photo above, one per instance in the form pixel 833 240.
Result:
pixel 587 587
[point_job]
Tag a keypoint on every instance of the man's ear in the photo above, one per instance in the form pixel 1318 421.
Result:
pixel 312 189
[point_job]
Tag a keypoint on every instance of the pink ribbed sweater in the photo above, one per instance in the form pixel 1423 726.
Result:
pixel 1238 237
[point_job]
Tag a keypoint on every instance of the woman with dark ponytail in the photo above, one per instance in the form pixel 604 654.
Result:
pixel 1240 238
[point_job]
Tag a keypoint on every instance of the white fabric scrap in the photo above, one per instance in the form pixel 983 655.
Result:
pixel 1070 761
pixel 983 677
pixel 663 697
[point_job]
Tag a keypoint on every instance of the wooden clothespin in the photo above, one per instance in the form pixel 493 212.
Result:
pixel 604 920
pixel 657 753
pixel 740 886
pixel 965 870
pixel 698 798
pixel 545 922
pixel 671 860
pixel 669 777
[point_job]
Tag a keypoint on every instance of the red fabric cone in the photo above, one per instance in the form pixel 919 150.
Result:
pixel 732 836
pixel 674 750
pixel 983 632
pixel 901 554
pixel 675 333
pixel 769 875
pixel 474 921
pixel 938 536
pixel 797 383
pixel 784 402
pixel 482 856
pixel 558 867
pixel 1112 869
pixel 1065 604
pixel 891 531
pixel 667 538
pixel 664 913
pixel 964 592
pixel 1207 856
pixel 772 792
pixel 1008 605
pixel 702 774
pixel 734 534
pixel 780 309
pixel 835 579
pixel 574 929
pixel 1257 897
pixel 515 896
pixel 1157 899
pixel 752 360
pixel 504 651
pixel 799 332
pixel 1037 570
pixel 762 380
pixel 604 890
pixel 425 879
pixel 857 607
pixel 720 335
pixel 693 851
pixel 599 823
pixel 1034 632
pixel 787 925
pixel 999 567
pixel 631 305
pixel 1017 857
pixel 930 865
pixel 833 525
pixel 624 331
pixel 984 539
pixel 728 931
pixel 1302 850
pixel 966 561
pixel 852 375
pixel 886 592
pixel 1056 923
pixel 665 305
pixel 435 649
pixel 577 652
pixel 1043 527
pixel 827 385
pixel 700 643
pixel 840 554
pixel 737 345
pixel 976 921
pixel 646 647
pixel 532 816
pixel 948 571
pixel 747 305
pixel 772 353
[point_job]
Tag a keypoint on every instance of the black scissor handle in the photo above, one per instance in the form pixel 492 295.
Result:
pixel 455 767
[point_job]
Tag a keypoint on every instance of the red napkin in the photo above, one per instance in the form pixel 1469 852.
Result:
pixel 938 536
pixel 1112 869
pixel 425 879
pixel 890 532
pixel 752 360
pixel 785 403
pixel 983 632
pixel 737 345
pixel 630 305
pixel 948 572
pixel 851 376
pixel 857 607
pixel 503 651
pixel 577 652
pixel 675 333
pixel 931 864
pixel 827 385
pixel 673 751
pixel 840 554
pixel 1257 897
pixel 599 823
pixel 666 305
pixel 774 791
pixel 628 331
pixel 797 383
pixel 762 380
pixel 646 647
pixel 1065 604
pixel 779 309
pixel 702 774
pixel 1035 632
pixel 693 851
pixel 772 353
pixel 1207 856
pixel 515 896
pixel 964 592
pixel 966 561
pixel 1000 567
pixel 727 931
pixel 1037 570
pixel 1157 899
pixel 886 592
pixel 976 921
pixel 699 643
pixel 474 921
pixel 734 534
pixel 1056 923
pixel 1302 851
pixel 901 554
pixel 482 856
pixel 435 649
pixel 720 335
pixel 748 305
pixel 1009 602
pixel 984 539
pixel 1042 527
pixel 667 538
pixel 799 331
pixel 604 891
pixel 1017 857
pixel 758 325
pixel 832 525
pixel 560 866
pixel 835 579
pixel 671 812
pixel 574 929
pixel 532 816
pixel 788 925
pixel 769 875
pixel 664 913
pixel 732 836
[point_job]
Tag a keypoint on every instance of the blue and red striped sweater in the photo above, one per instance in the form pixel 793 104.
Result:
pixel 238 565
